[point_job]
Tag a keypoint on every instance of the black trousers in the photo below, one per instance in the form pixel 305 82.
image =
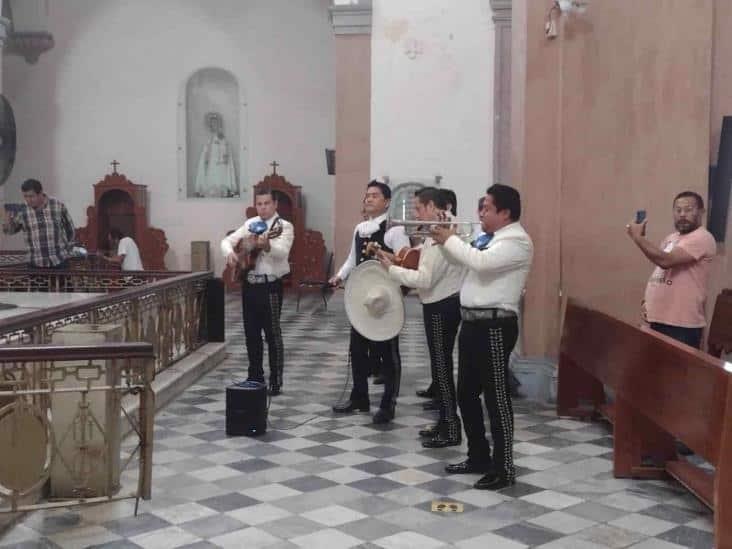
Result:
pixel 484 349
pixel 261 309
pixel 441 323
pixel 363 353
pixel 691 336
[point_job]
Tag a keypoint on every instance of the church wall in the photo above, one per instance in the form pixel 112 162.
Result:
pixel 627 103
pixel 110 87
pixel 432 95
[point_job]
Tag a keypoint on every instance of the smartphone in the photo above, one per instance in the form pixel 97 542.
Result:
pixel 640 216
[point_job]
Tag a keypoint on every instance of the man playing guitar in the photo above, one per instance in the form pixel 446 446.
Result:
pixel 259 250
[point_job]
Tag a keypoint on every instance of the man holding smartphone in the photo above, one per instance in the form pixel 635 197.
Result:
pixel 676 293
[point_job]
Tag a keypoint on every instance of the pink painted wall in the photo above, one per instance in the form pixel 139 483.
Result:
pixel 353 136
pixel 535 167
pixel 615 118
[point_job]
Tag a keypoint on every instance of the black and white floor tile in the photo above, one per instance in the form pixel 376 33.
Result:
pixel 321 481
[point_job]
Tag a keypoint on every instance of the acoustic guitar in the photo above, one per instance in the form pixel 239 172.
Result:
pixel 407 258
pixel 247 259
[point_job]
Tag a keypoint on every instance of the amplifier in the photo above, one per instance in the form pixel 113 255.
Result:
pixel 246 409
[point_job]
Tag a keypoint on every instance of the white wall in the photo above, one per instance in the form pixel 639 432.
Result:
pixel 110 88
pixel 433 114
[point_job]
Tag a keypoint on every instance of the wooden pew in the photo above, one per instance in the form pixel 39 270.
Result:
pixel 719 339
pixel 664 391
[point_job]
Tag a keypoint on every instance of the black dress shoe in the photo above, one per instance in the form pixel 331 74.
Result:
pixel 431 405
pixel 274 390
pixel 493 481
pixel 383 415
pixel 378 379
pixel 429 432
pixel 439 441
pixel 425 393
pixel 351 406
pixel 467 467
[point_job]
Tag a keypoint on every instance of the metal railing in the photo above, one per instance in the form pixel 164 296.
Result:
pixel 99 280
pixel 169 313
pixel 61 420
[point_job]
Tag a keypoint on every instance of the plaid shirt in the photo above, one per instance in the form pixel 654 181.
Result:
pixel 49 232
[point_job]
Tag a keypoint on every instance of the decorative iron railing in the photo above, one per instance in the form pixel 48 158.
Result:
pixel 169 313
pixel 61 419
pixel 46 280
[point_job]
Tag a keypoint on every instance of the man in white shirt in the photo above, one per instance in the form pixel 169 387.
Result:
pixel 489 300
pixel 261 286
pixel 363 351
pixel 438 284
pixel 127 254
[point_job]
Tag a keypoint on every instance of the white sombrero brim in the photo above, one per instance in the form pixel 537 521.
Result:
pixel 366 277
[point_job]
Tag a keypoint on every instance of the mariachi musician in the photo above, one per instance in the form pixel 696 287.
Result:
pixel 438 285
pixel 259 250
pixel 363 350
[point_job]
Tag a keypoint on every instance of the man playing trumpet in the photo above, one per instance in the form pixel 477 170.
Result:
pixel 497 268
pixel 438 286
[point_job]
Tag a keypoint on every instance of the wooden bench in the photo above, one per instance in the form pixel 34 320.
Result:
pixel 664 391
pixel 719 340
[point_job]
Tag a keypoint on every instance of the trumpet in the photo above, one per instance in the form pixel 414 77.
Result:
pixel 464 229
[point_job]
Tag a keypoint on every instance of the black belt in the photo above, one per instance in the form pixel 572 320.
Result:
pixel 471 314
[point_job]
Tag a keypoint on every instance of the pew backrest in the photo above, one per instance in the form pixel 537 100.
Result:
pixel 719 339
pixel 680 389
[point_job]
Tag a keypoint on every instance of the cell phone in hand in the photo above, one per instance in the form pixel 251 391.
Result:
pixel 640 217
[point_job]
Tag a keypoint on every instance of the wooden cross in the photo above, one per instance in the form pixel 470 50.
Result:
pixel 114 166
pixel 274 165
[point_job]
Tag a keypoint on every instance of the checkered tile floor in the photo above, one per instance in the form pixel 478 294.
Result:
pixel 320 481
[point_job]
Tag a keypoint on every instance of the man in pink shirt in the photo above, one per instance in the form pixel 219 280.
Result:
pixel 676 293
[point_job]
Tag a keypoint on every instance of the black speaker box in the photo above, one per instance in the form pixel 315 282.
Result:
pixel 246 409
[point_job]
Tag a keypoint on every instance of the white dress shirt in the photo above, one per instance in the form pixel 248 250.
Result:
pixel 131 254
pixel 435 278
pixel 274 262
pixel 497 274
pixel 395 238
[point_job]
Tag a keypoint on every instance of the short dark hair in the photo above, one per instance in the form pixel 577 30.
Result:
pixel 450 198
pixel 691 194
pixel 259 191
pixel 432 194
pixel 115 233
pixel 383 187
pixel 506 198
pixel 31 185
